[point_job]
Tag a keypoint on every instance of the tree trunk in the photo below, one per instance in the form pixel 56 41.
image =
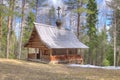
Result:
pixel 79 5
pixel 102 52
pixel 12 35
pixel 0 31
pixel 96 56
pixel 12 16
pixel 1 27
pixel 8 37
pixel 36 10
pixel 9 28
pixel 89 56
pixel 21 31
pixel 78 26
pixel 90 52
pixel 119 58
pixel 115 45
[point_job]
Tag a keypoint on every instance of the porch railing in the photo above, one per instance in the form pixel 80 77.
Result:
pixel 67 58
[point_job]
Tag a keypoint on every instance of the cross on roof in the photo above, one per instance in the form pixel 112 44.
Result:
pixel 58 9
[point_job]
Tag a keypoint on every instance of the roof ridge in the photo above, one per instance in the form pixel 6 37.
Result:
pixel 46 25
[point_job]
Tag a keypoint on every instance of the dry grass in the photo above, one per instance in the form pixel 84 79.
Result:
pixel 23 70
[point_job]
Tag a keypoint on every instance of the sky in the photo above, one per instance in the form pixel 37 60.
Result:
pixel 103 11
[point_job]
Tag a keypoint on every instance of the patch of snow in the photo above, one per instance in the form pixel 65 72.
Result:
pixel 93 66
pixel 111 67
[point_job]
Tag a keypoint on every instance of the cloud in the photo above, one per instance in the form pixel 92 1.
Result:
pixel 56 3
pixel 108 0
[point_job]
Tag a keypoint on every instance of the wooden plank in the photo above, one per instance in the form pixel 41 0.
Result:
pixel 50 52
pixel 34 46
pixel 43 47
pixel 38 43
pixel 34 42
pixel 34 38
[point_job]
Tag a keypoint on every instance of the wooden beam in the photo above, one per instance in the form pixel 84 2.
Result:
pixel 35 43
pixel 28 52
pixel 50 52
pixel 35 53
pixel 32 45
pixel 31 40
pixel 41 47
pixel 40 53
pixel 34 39
pixel 35 46
pixel 67 51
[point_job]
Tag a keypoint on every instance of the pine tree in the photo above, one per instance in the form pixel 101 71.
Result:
pixel 10 13
pixel 91 27
pixel 21 30
pixel 1 3
pixel 77 6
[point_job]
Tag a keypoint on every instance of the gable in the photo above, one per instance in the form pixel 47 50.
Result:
pixel 34 40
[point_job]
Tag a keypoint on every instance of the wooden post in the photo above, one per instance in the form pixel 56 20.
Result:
pixel 40 53
pixel 80 51
pixel 67 55
pixel 50 53
pixel 67 52
pixel 35 53
pixel 73 51
pixel 27 53
pixel 77 51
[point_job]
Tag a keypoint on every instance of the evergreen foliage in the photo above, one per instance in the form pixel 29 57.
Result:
pixel 91 28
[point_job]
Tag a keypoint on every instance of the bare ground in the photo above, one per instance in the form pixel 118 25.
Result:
pixel 23 70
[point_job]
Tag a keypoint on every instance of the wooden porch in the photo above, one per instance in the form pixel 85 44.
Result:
pixel 74 58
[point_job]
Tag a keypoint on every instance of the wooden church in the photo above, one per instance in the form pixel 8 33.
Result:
pixel 54 45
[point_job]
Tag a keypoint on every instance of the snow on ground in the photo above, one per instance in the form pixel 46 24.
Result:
pixel 93 66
